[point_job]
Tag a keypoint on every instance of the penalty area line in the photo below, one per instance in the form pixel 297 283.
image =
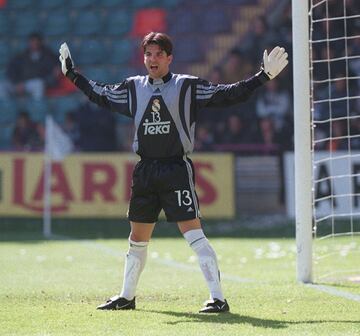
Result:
pixel 333 291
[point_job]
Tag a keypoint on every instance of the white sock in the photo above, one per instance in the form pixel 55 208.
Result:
pixel 207 261
pixel 134 264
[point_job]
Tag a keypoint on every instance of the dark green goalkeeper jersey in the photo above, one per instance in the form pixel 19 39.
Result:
pixel 165 110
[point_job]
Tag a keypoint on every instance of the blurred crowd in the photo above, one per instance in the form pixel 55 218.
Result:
pixel 336 76
pixel 263 125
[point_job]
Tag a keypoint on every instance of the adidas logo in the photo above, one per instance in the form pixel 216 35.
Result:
pixel 190 209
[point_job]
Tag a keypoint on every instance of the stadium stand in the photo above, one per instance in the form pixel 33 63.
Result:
pixel 118 23
pixel 146 20
pixel 51 5
pixel 19 4
pixel 4 24
pixel 87 23
pixel 89 52
pixel 57 23
pixel 4 53
pixel 25 23
pixel 37 109
pixel 8 110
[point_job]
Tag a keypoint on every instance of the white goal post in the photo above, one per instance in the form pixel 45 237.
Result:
pixel 326 78
pixel 302 139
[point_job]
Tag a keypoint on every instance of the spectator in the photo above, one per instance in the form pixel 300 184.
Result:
pixel 354 63
pixel 355 133
pixel 258 38
pixel 238 132
pixel 34 70
pixel 268 132
pixel 27 135
pixel 339 140
pixel 274 103
pixel 236 67
pixel 97 128
pixel 204 138
pixel 339 108
pixel 216 75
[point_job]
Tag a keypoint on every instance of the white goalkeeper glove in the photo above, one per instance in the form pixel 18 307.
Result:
pixel 275 62
pixel 65 59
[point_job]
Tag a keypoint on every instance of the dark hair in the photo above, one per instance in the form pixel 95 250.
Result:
pixel 35 35
pixel 161 39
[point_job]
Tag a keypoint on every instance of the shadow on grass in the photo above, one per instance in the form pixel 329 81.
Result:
pixel 231 318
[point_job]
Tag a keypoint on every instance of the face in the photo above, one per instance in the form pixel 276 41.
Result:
pixel 34 44
pixel 156 61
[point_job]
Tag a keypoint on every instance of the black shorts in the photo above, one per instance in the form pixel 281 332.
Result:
pixel 167 184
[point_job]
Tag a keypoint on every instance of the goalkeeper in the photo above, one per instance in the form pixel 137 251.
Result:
pixel 164 108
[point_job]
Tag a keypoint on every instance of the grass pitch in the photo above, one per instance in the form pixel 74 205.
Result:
pixel 53 287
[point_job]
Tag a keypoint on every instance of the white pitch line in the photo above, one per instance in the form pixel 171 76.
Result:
pixel 336 292
pixel 166 262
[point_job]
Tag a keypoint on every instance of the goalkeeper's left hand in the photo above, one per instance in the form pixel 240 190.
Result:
pixel 275 62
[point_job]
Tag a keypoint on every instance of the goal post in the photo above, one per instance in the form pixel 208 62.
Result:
pixel 302 140
pixel 326 68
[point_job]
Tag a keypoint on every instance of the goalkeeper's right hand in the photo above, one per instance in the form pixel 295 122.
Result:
pixel 67 64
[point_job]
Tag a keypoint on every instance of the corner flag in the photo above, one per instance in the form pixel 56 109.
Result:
pixel 57 146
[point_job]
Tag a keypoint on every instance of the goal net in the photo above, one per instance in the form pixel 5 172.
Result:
pixel 334 53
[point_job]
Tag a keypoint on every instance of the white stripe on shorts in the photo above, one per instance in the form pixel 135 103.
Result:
pixel 192 186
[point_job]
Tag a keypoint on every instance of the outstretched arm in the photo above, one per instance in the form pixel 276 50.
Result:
pixel 114 96
pixel 220 95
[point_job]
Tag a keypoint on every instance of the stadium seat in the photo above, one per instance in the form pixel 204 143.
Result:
pixel 25 23
pixel 61 106
pixel 119 74
pixel 113 3
pixel 52 4
pixel 169 3
pixel 214 21
pixel 100 74
pixel 240 2
pixel 57 23
pixel 143 3
pixel 187 50
pixel 19 4
pixel 4 23
pixel 182 22
pixel 90 52
pixel 82 3
pixel 118 23
pixel 121 51
pixel 87 23
pixel 54 42
pixel 2 73
pixel 4 53
pixel 8 111
pixel 17 45
pixel 147 20
pixel 37 109
pixel 6 132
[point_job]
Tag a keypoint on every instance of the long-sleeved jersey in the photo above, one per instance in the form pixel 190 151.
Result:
pixel 165 110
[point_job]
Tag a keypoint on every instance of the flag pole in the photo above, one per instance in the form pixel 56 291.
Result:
pixel 57 146
pixel 47 180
